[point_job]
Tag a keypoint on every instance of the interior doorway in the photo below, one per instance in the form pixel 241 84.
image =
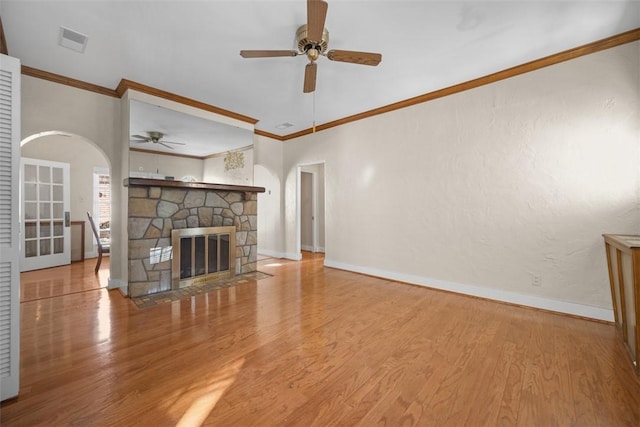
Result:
pixel 85 159
pixel 307 214
pixel 310 208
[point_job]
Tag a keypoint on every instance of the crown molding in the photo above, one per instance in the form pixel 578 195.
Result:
pixel 597 46
pixel 124 85
pixel 268 135
pixel 164 153
pixel 68 81
pixel 210 156
pixel 224 153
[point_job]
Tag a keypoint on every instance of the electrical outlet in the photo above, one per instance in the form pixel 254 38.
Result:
pixel 536 280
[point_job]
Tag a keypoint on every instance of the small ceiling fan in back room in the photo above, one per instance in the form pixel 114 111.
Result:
pixel 154 137
pixel 313 40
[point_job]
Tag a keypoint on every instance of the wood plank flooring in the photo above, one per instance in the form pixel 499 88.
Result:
pixel 313 346
pixel 64 280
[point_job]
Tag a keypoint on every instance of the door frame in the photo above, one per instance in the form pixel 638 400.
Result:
pixel 314 199
pixel 314 211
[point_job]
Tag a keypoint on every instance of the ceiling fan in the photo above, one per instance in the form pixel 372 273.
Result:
pixel 154 137
pixel 313 40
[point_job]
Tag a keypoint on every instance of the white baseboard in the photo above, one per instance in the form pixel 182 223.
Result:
pixel 312 249
pixel 482 292
pixel 118 284
pixel 292 256
pixel 285 255
pixel 271 254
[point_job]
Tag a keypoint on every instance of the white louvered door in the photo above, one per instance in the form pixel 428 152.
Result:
pixel 9 226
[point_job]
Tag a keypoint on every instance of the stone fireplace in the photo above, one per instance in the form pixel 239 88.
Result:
pixel 158 208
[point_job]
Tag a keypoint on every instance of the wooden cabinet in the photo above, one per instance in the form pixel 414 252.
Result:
pixel 623 260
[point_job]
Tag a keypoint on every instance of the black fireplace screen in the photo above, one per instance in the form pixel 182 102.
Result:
pixel 202 253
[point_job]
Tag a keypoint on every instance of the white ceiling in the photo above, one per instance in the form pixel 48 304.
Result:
pixel 191 48
pixel 201 137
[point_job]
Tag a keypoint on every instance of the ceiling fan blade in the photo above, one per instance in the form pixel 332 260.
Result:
pixel 146 138
pixel 267 53
pixel 364 58
pixel 171 142
pixel 310 77
pixel 316 15
pixel 168 146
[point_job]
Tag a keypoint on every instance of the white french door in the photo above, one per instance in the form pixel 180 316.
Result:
pixel 45 230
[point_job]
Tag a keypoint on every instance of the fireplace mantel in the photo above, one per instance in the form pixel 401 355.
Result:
pixel 147 182
pixel 157 207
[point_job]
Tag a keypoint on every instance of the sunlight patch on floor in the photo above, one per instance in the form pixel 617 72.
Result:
pixel 273 264
pixel 201 398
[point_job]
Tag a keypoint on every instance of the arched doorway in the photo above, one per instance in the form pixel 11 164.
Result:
pixel 88 169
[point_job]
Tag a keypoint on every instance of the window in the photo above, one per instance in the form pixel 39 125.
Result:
pixel 102 202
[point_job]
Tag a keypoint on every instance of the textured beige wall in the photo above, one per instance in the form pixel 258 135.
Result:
pixel 483 190
pixel 175 166
pixel 214 170
pixel 268 174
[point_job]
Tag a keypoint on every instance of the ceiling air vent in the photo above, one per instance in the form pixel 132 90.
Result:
pixel 284 125
pixel 72 39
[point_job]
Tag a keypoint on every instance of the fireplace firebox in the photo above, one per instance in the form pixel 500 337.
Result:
pixel 202 254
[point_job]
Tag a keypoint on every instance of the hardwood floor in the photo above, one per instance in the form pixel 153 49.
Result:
pixel 315 346
pixel 65 280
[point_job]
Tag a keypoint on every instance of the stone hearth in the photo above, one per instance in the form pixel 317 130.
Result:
pixel 157 207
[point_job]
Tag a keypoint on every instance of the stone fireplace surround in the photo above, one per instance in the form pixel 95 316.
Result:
pixel 156 207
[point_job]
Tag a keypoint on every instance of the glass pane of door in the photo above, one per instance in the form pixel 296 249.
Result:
pixel 45 199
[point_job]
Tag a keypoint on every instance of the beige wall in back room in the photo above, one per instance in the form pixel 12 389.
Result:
pixel 215 170
pixel 490 187
pixel 175 166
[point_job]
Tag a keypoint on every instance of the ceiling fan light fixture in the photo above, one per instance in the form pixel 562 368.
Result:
pixel 313 54
pixel 155 135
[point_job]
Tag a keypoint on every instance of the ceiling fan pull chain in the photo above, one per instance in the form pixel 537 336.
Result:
pixel 314 111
